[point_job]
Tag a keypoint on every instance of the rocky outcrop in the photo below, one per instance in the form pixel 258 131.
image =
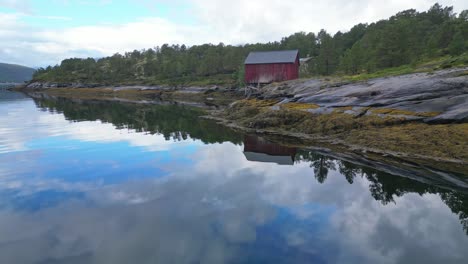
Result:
pixel 48 85
pixel 437 97
pixel 184 89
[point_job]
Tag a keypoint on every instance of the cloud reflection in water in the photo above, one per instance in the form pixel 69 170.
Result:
pixel 88 192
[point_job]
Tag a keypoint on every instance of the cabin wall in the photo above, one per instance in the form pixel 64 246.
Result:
pixel 273 72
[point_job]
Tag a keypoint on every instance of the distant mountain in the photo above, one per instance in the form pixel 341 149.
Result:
pixel 15 73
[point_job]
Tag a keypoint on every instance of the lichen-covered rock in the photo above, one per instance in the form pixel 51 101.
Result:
pixel 444 93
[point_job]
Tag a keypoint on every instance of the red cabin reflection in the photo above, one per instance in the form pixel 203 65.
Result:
pixel 261 150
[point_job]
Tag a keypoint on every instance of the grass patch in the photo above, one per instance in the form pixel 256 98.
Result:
pixel 390 111
pixel 463 73
pixel 247 108
pixel 304 122
pixel 256 103
pixel 405 69
pixel 447 141
pixel 342 109
pixel 299 106
pixel 427 65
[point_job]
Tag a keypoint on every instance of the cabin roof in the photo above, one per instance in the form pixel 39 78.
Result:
pixel 262 157
pixel 264 57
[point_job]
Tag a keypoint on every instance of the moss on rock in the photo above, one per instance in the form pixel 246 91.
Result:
pixel 388 133
pixel 392 111
pixel 299 106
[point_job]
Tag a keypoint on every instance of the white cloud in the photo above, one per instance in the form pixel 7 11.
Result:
pixel 216 21
pixel 263 20
pixel 20 5
pixel 7 21
pixel 47 124
pixel 363 223
pixel 107 39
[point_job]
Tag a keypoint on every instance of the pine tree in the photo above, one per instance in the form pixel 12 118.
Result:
pixel 326 61
pixel 457 45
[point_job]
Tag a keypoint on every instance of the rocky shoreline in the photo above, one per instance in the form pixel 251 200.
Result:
pixel 435 97
pixel 36 85
pixel 421 116
pixel 213 95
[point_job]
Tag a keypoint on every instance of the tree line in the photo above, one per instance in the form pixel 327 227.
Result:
pixel 405 38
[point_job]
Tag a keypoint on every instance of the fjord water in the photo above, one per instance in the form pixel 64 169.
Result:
pixel 87 181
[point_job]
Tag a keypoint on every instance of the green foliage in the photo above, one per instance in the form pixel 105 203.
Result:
pixel 427 65
pixel 240 76
pixel 405 69
pixel 327 58
pixel 406 38
pixel 457 45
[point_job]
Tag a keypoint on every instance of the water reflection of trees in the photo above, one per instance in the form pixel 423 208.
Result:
pixel 321 164
pixel 175 122
pixel 384 187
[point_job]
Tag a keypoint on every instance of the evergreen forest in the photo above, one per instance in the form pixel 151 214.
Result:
pixel 406 39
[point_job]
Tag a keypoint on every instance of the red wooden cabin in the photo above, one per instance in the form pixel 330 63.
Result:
pixel 271 66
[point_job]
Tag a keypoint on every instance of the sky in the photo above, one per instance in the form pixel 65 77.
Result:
pixel 38 33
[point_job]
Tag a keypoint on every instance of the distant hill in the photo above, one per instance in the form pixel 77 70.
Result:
pixel 15 73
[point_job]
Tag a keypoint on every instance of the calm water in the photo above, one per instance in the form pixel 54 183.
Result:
pixel 108 182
